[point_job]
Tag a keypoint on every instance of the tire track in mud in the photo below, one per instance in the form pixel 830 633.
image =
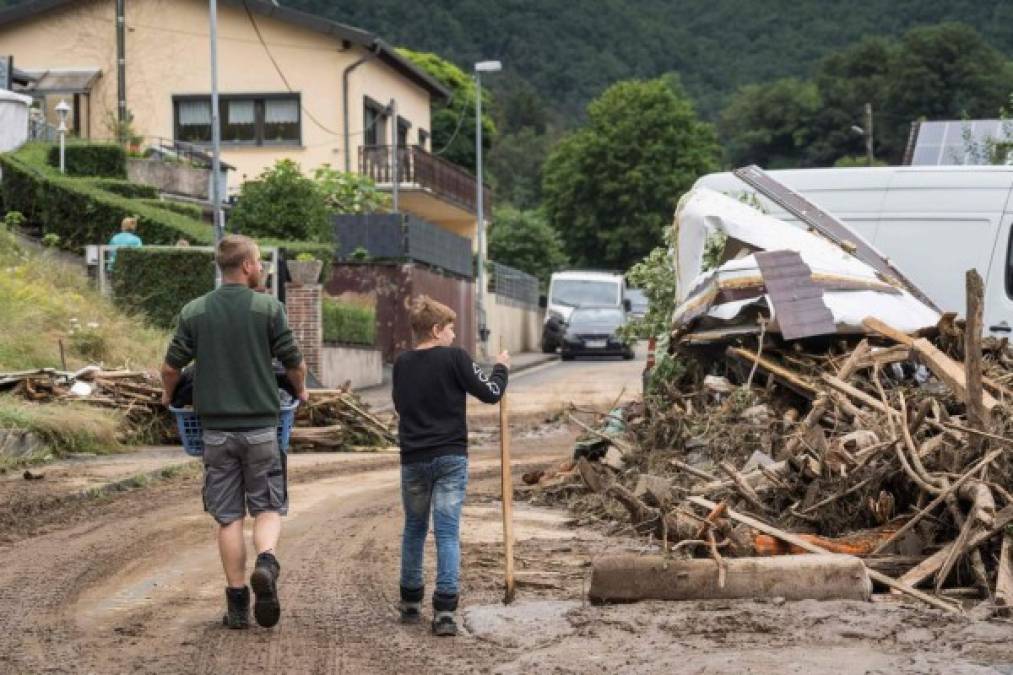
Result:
pixel 114 593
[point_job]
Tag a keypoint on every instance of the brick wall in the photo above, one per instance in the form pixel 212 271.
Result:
pixel 305 318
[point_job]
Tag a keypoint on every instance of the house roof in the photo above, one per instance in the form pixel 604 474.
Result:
pixel 268 8
pixel 62 81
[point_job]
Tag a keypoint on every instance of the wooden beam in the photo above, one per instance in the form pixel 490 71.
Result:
pixel 812 548
pixel 785 376
pixel 949 371
pixel 876 326
pixel 977 418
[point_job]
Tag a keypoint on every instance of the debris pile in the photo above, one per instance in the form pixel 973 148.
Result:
pixel 333 419
pixel 835 412
pixel 337 419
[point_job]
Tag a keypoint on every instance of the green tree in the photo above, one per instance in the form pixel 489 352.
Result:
pixel 523 239
pixel 281 203
pixel 611 187
pixel 349 192
pixel 453 121
pixel 770 124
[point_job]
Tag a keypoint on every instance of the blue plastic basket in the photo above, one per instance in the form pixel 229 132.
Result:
pixel 191 432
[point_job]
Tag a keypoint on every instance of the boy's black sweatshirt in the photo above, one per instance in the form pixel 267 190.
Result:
pixel 429 390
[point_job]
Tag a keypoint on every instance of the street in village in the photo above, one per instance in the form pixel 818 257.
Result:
pixel 107 565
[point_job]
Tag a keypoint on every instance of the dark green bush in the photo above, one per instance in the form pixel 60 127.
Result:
pixel 283 203
pixel 91 159
pixel 158 282
pixel 348 323
pixel 125 188
pixel 191 210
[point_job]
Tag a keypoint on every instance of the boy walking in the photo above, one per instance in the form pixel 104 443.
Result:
pixel 233 333
pixel 430 387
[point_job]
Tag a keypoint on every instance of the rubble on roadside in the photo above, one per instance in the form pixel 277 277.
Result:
pixel 851 419
pixel 333 419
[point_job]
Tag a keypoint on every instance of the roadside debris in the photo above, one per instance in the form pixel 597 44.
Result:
pixel 837 412
pixel 333 419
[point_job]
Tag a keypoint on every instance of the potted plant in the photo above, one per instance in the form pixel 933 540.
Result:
pixel 305 269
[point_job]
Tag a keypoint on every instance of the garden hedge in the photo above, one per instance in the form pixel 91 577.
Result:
pixel 84 211
pixel 157 282
pixel 348 324
pixel 91 159
pixel 125 188
pixel 190 210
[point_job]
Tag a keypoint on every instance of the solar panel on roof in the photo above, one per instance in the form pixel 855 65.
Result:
pixel 957 142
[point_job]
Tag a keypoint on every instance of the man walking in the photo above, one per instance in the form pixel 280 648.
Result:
pixel 232 333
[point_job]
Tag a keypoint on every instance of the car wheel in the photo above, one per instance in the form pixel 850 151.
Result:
pixel 548 347
pixel 566 356
pixel 628 356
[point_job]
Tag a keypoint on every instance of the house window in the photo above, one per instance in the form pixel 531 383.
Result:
pixel 403 127
pixel 423 139
pixel 239 120
pixel 193 121
pixel 374 120
pixel 245 120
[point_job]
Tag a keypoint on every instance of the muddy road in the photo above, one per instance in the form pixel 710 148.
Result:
pixel 130 582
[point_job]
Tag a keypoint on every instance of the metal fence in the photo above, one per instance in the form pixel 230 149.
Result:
pixel 40 130
pixel 508 282
pixel 398 236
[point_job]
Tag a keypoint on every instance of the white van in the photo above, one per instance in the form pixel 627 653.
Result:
pixel 933 222
pixel 573 288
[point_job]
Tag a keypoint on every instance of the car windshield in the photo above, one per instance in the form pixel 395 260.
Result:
pixel 577 292
pixel 586 316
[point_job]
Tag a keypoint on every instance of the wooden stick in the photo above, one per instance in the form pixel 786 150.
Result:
pixel 813 548
pixel 937 501
pixel 508 500
pixel 790 379
pixel 693 471
pixel 743 487
pixel 976 416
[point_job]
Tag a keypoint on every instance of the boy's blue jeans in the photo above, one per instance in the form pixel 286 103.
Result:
pixel 436 486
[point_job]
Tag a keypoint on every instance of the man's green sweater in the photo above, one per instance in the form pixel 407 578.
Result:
pixel 232 333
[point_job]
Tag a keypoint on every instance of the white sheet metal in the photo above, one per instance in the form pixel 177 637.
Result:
pixel 703 213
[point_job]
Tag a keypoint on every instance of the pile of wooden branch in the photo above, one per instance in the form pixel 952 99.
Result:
pixel 890 447
pixel 333 419
pixel 137 394
pixel 337 419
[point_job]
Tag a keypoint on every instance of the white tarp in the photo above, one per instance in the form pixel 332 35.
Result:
pixel 854 290
pixel 13 120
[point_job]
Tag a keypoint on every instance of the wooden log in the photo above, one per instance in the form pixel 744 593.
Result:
pixel 786 377
pixel 947 370
pixel 625 578
pixel 977 418
pixel 812 548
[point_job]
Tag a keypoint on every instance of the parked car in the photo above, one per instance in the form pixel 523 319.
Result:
pixel 593 330
pixel 574 288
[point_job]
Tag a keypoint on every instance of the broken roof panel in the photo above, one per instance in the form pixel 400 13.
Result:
pixel 737 290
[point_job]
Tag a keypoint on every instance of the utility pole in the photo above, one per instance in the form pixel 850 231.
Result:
pixel 868 134
pixel 216 139
pixel 121 69
pixel 396 181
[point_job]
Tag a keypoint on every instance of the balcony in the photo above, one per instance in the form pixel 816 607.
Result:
pixel 429 186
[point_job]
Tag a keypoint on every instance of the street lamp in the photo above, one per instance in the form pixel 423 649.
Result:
pixel 481 67
pixel 62 109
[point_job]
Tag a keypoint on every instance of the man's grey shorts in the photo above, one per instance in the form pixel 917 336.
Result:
pixel 243 471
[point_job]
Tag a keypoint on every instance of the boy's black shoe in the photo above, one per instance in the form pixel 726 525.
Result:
pixel 444 624
pixel 444 607
pixel 238 603
pixel 411 612
pixel 411 604
pixel 264 580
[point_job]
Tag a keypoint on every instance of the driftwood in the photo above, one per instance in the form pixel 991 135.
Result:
pixel 624 578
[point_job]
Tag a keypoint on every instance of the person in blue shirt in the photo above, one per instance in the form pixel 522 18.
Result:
pixel 125 237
